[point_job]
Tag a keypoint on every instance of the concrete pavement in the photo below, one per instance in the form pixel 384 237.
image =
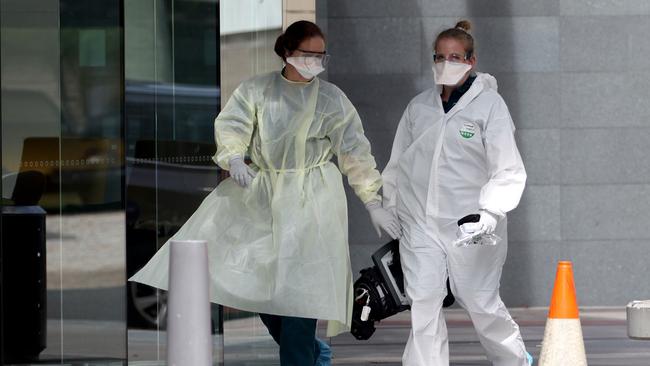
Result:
pixel 246 342
pixel 604 330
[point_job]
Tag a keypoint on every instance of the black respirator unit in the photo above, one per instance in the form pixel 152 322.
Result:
pixel 379 292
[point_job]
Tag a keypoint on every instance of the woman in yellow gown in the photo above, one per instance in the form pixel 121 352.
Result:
pixel 277 231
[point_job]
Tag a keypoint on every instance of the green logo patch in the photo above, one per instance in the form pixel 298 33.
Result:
pixel 468 130
pixel 467 134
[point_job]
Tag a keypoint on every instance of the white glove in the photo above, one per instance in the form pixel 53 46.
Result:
pixel 488 220
pixel 241 173
pixel 382 219
pixel 468 234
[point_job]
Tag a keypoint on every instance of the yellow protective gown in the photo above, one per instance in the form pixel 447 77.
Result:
pixel 280 246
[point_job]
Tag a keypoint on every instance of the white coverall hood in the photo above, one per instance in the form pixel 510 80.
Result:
pixel 488 81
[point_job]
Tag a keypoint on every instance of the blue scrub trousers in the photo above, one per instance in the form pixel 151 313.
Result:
pixel 297 340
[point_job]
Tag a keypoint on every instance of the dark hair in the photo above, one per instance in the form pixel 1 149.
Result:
pixel 460 33
pixel 294 35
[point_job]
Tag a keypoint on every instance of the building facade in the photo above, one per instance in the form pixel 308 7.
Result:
pixel 107 138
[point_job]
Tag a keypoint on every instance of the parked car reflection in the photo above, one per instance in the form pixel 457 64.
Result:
pixel 166 178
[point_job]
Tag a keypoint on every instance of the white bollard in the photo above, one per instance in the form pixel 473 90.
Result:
pixel 638 319
pixel 188 314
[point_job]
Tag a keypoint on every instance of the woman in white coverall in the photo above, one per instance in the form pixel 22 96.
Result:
pixel 277 232
pixel 454 154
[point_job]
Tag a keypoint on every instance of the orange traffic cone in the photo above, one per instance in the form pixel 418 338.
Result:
pixel 563 344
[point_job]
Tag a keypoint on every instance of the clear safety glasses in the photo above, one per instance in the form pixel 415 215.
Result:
pixel 453 57
pixel 322 56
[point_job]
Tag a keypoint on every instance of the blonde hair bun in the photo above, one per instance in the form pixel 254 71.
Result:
pixel 464 25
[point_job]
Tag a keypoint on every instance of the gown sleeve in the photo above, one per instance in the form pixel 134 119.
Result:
pixel 352 149
pixel 234 126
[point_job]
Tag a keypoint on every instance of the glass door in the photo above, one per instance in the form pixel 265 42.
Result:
pixel 62 253
pixel 107 110
pixel 172 95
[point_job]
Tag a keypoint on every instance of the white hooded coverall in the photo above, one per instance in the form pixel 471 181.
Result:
pixel 280 246
pixel 444 166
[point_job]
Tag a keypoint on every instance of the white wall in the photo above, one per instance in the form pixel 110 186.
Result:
pixel 574 74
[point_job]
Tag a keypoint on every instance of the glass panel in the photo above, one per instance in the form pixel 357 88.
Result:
pixel 30 104
pixel 91 231
pixel 172 97
pixel 248 33
pixel 62 166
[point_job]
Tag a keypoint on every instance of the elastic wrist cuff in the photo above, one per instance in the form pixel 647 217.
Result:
pixel 234 157
pixel 373 204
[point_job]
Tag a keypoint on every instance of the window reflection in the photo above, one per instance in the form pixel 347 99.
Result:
pixel 62 164
pixel 107 139
pixel 172 95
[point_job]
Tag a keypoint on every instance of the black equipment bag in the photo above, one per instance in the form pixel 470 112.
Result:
pixel 381 287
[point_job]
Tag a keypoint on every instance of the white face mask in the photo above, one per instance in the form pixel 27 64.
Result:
pixel 307 67
pixel 449 73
